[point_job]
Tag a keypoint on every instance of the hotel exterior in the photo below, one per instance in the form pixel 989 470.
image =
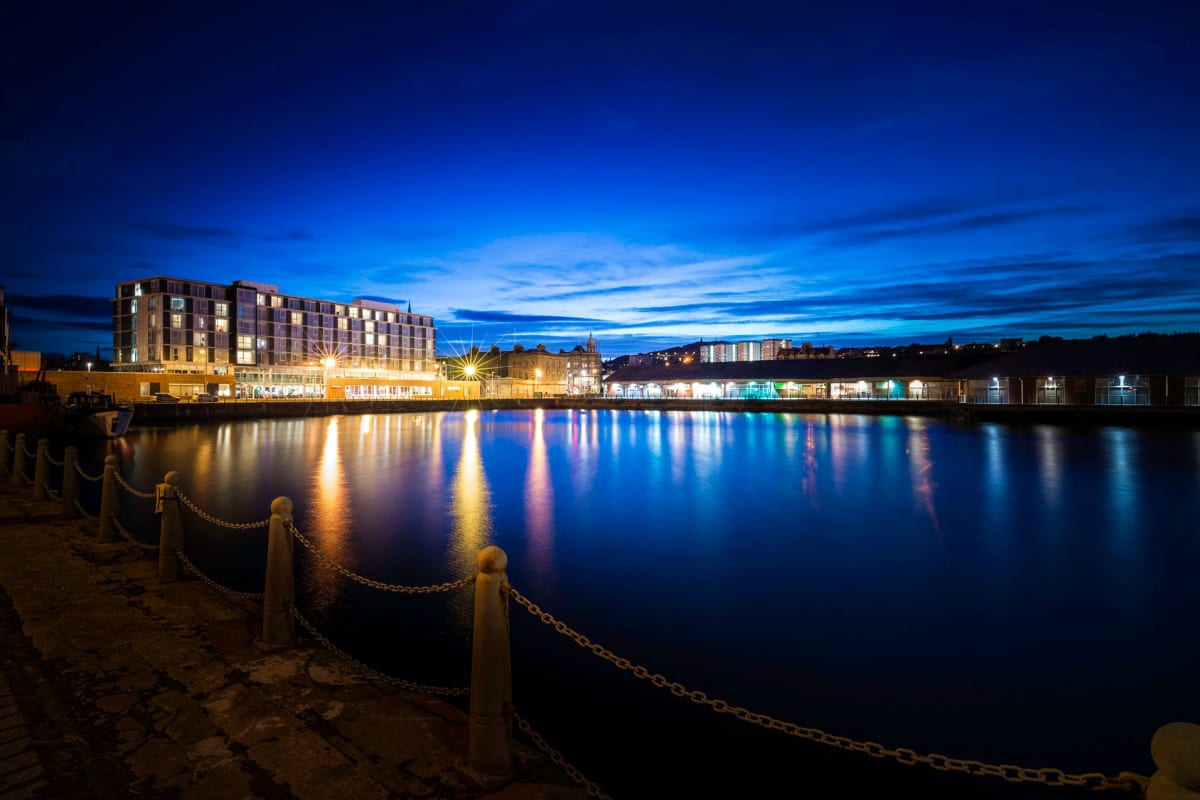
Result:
pixel 249 340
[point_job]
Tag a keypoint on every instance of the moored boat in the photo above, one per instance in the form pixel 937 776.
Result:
pixel 97 414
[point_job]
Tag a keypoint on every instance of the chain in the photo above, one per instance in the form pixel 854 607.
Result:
pixel 130 489
pixel 121 530
pixel 387 587
pixel 85 476
pixel 371 672
pixel 83 510
pixel 1009 772
pixel 50 458
pixel 557 758
pixel 241 526
pixel 28 452
pixel 192 568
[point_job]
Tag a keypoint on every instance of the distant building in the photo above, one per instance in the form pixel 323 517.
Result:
pixel 251 340
pixel 541 373
pixel 749 351
pixel 771 348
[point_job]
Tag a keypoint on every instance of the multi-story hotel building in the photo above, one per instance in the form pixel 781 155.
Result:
pixel 247 339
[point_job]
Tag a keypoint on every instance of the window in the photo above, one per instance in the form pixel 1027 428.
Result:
pixel 369 327
pixel 137 292
pixel 222 309
pixel 221 325
pixel 343 324
pixel 245 356
pixel 133 306
pixel 297 318
pixel 178 304
pixel 260 299
pixel 177 320
pixel 276 301
pixel 199 339
pixel 133 352
pixel 262 344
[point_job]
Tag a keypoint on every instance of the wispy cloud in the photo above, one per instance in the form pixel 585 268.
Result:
pixel 216 236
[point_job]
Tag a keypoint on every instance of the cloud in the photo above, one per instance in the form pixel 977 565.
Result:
pixel 1169 229
pixel 67 305
pixel 470 315
pixel 215 236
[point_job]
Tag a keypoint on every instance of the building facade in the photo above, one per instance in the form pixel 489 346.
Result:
pixel 248 339
pixel 538 372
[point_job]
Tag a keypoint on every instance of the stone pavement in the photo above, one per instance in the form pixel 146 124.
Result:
pixel 114 685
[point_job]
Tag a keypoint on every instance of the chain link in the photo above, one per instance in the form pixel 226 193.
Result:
pixel 192 568
pixel 83 510
pixel 557 758
pixel 1009 772
pixel 87 477
pixel 374 584
pixel 121 530
pixel 371 672
pixel 130 489
pixel 241 526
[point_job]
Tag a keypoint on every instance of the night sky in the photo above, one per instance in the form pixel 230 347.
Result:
pixel 842 173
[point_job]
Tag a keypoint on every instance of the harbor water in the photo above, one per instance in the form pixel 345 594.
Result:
pixel 1009 594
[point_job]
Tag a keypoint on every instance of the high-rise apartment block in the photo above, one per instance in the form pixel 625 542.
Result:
pixel 277 343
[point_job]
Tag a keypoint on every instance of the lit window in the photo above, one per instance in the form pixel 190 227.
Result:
pixel 178 304
pixel 260 300
pixel 137 292
pixel 221 325
pixel 133 306
pixel 222 309
pixel 177 320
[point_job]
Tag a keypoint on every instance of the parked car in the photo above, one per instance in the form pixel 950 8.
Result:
pixel 165 397
pixel 205 397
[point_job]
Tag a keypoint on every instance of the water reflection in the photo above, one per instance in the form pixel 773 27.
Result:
pixel 808 483
pixel 1050 464
pixel 470 501
pixel 539 502
pixel 331 520
pixel 921 469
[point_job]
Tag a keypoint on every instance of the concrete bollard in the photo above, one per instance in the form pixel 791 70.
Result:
pixel 490 731
pixel 70 482
pixel 170 532
pixel 4 448
pixel 279 591
pixel 41 470
pixel 1175 748
pixel 18 469
pixel 109 502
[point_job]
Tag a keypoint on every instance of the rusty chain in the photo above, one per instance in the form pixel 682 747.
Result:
pixel 374 584
pixel 557 758
pixel 192 568
pixel 121 530
pixel 87 477
pixel 130 489
pixel 371 672
pixel 83 510
pixel 241 526
pixel 1010 772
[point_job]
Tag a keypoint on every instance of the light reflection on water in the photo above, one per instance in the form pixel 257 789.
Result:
pixel 775 560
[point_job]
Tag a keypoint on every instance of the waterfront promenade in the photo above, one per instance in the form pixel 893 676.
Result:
pixel 113 685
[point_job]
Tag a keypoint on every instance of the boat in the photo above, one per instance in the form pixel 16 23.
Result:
pixel 93 413
pixel 33 408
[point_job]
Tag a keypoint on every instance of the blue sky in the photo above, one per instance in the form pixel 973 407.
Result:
pixel 847 174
